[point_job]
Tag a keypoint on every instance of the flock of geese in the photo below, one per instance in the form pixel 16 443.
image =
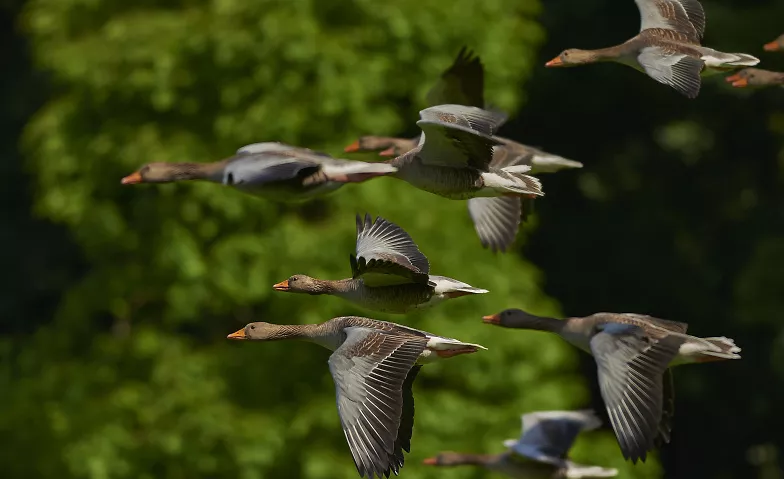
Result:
pixel 459 157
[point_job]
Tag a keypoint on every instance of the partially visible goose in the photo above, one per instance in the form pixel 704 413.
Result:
pixel 389 273
pixel 272 170
pixel 776 45
pixel 667 48
pixel 541 450
pixel 374 364
pixel 496 220
pixel 454 159
pixel 633 353
pixel 756 77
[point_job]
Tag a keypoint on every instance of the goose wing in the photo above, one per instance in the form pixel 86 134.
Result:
pixel 387 255
pixel 631 367
pixel 463 83
pixel 370 371
pixel 458 136
pixel 683 16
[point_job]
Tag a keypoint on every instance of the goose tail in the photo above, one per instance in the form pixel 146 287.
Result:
pixel 547 163
pixel 721 348
pixel 356 171
pixel 743 60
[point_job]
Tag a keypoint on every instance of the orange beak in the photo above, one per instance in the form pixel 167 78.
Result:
pixel 430 461
pixel 352 147
pixel 555 62
pixel 237 335
pixel 740 83
pixel 388 152
pixel 733 78
pixel 772 47
pixel 282 286
pixel 491 319
pixel 132 179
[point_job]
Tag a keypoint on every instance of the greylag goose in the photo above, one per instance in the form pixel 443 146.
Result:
pixel 271 170
pixel 389 273
pixel 633 353
pixel 373 364
pixel 776 45
pixel 541 450
pixel 667 48
pixel 756 77
pixel 463 83
pixel 454 159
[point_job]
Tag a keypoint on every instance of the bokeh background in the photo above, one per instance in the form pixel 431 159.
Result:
pixel 116 300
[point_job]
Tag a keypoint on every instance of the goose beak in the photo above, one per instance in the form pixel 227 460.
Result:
pixel 771 47
pixel 237 335
pixel 491 319
pixel 388 152
pixel 742 83
pixel 737 80
pixel 282 286
pixel 555 62
pixel 352 147
pixel 132 179
pixel 430 461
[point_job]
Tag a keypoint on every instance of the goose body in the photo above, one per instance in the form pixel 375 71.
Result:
pixel 373 364
pixel 667 48
pixel 540 452
pixel 389 273
pixel 633 353
pixel 271 170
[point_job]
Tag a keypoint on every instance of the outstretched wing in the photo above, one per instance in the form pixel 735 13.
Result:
pixel 458 136
pixel 631 367
pixel 463 83
pixel 387 255
pixel 370 369
pixel 683 16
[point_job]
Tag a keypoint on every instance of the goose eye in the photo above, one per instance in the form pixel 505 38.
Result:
pixel 252 326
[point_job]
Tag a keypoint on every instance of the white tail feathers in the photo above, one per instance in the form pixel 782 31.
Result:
pixel 744 60
pixel 578 471
pixel 347 167
pixel 443 344
pixel 443 285
pixel 546 163
pixel 722 347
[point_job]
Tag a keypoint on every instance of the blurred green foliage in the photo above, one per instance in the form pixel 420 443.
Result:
pixel 113 361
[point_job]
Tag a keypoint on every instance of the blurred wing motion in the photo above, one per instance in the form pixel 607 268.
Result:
pixel 463 83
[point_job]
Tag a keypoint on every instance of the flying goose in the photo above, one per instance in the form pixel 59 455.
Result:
pixel 667 48
pixel 271 170
pixel 540 452
pixel 389 273
pixel 633 353
pixel 496 220
pixel 373 364
pixel 454 159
